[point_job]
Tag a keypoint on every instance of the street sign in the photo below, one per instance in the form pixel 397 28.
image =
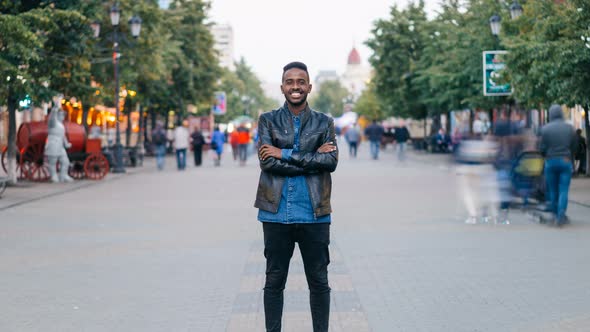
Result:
pixel 493 65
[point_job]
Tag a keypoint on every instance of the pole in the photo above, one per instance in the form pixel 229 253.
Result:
pixel 118 147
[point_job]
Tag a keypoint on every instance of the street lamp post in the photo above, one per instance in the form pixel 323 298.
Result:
pixel 135 23
pixel 115 16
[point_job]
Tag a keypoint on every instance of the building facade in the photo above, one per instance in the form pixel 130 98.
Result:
pixel 223 34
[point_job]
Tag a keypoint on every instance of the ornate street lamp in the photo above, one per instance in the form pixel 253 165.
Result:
pixel 115 15
pixel 515 10
pixel 135 23
pixel 495 25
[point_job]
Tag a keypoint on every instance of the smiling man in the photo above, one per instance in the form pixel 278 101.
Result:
pixel 297 152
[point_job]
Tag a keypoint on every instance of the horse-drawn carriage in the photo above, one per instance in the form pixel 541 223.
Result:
pixel 86 157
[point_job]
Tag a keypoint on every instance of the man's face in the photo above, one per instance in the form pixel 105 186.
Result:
pixel 296 86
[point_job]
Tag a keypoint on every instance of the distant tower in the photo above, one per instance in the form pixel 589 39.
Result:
pixel 357 75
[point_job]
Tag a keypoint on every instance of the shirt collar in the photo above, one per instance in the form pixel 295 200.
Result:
pixel 302 116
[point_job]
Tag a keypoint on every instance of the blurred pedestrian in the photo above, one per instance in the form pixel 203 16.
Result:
pixel 477 178
pixel 170 140
pixel 558 144
pixel 402 136
pixel 243 142
pixel 217 140
pixel 297 154
pixel 181 144
pixel 159 140
pixel 503 130
pixel 197 142
pixel 374 132
pixel 353 137
pixel 233 141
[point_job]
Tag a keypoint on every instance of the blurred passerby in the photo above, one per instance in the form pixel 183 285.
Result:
pixel 170 140
pixel 181 143
pixel 297 154
pixel 374 131
pixel 353 137
pixel 558 143
pixel 503 130
pixel 217 140
pixel 197 142
pixel 243 142
pixel 477 178
pixel 233 141
pixel 159 139
pixel 580 153
pixel 402 135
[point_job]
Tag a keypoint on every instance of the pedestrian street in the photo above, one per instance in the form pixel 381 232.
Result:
pixel 183 251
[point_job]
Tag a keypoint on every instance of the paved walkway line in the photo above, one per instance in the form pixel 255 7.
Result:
pixel 346 312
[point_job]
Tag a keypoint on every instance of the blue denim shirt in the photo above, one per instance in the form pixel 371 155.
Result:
pixel 295 205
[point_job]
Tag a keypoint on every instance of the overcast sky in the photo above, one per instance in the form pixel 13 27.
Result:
pixel 321 33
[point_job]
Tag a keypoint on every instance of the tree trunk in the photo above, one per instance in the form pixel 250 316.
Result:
pixel 12 148
pixel 448 124
pixel 587 127
pixel 128 129
pixel 153 122
pixel 471 118
pixel 85 117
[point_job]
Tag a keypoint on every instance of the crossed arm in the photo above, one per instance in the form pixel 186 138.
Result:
pixel 275 160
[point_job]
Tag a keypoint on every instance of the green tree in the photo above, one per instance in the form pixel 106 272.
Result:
pixel 329 98
pixel 195 70
pixel 19 45
pixel 244 93
pixel 398 43
pixel 550 57
pixel 368 104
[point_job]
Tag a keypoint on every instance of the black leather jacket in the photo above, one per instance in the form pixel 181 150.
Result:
pixel 276 128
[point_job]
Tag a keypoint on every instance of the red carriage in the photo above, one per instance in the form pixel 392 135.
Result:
pixel 86 157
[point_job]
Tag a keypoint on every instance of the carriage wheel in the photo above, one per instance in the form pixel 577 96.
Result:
pixel 76 170
pixel 33 163
pixel 20 172
pixel 96 166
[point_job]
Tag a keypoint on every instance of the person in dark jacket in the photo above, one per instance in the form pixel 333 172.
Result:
pixel 402 136
pixel 159 140
pixel 374 132
pixel 297 152
pixel 557 146
pixel 197 142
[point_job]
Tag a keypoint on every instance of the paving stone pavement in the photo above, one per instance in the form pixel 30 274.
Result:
pixel 182 251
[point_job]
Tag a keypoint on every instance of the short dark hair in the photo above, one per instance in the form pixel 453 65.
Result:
pixel 295 64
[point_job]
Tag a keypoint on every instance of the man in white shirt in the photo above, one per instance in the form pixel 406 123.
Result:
pixel 181 142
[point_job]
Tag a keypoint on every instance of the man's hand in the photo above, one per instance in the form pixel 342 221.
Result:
pixel 268 150
pixel 327 148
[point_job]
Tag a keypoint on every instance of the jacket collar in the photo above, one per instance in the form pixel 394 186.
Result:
pixel 304 115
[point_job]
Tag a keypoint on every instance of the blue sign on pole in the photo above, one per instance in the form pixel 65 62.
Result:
pixel 220 105
pixel 493 65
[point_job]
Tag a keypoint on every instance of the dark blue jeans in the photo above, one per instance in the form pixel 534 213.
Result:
pixel 279 243
pixel 181 158
pixel 558 174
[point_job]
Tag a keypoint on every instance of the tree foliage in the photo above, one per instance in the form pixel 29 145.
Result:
pixel 329 98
